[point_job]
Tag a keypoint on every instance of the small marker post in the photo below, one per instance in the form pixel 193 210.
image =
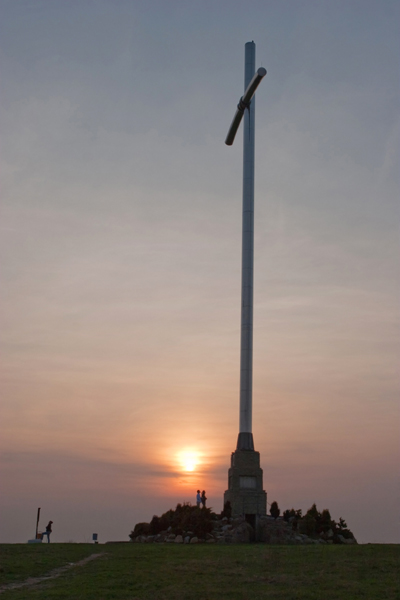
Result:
pixel 37 523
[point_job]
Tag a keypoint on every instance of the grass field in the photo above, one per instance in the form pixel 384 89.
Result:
pixel 201 572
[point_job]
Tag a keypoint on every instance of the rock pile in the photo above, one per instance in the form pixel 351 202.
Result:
pixel 239 531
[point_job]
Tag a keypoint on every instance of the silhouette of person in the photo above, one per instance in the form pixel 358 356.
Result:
pixel 48 531
pixel 198 499
pixel 203 498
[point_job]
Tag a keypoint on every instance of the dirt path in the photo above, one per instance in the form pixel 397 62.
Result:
pixel 52 575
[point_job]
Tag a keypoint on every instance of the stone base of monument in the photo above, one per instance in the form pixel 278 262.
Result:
pixel 245 493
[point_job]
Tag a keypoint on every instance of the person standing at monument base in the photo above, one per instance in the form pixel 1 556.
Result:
pixel 198 499
pixel 203 498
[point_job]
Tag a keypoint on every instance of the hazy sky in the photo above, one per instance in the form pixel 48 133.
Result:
pixel 121 241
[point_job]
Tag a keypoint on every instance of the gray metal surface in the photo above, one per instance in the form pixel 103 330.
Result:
pixel 246 109
pixel 246 340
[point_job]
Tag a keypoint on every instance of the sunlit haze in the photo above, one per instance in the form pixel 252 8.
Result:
pixel 189 460
pixel 121 258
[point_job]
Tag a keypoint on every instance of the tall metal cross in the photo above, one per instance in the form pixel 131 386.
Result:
pixel 246 109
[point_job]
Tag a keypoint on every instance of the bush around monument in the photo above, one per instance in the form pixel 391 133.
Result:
pixel 275 511
pixel 317 524
pixel 191 524
pixel 227 511
pixel 292 515
pixel 185 517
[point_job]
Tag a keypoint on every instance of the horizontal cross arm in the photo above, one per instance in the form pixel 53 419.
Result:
pixel 244 103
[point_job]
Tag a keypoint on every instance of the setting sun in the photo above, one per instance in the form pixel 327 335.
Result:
pixel 188 460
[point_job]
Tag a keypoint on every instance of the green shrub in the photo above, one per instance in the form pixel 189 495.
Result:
pixel 227 512
pixel 325 522
pixel 315 524
pixel 199 521
pixel 313 512
pixel 292 516
pixel 140 529
pixel 155 526
pixel 308 525
pixel 184 518
pixel 275 510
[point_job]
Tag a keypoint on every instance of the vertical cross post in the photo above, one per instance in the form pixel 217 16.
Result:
pixel 245 492
pixel 245 438
pixel 246 110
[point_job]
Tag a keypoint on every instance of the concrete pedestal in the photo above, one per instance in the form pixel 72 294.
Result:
pixel 245 481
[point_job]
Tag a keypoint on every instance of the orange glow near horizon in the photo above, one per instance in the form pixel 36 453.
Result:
pixel 188 460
